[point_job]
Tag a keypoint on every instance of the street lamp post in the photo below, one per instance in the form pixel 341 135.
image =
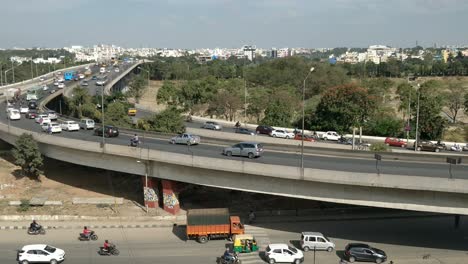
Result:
pixel 417 121
pixel 102 116
pixel 303 120
pixel 13 73
pixel 148 72
pixel 6 80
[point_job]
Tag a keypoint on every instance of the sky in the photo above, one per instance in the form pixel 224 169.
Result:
pixel 232 23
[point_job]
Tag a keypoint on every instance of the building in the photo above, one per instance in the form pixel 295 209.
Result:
pixel 249 51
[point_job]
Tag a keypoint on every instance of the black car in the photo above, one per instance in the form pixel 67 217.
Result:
pixel 363 252
pixel 32 104
pixel 109 131
pixel 264 130
pixel 94 78
pixel 245 131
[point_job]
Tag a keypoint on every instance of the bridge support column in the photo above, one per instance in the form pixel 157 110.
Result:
pixel 151 192
pixel 170 197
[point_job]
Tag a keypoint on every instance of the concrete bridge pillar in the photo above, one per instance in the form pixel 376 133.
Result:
pixel 151 192
pixel 170 197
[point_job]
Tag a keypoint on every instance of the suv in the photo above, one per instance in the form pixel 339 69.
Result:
pixel 245 149
pixel 40 253
pixel 109 131
pixel 86 123
pixel 363 252
pixel 315 240
pixel 283 253
pixel 428 146
pixel 264 130
pixel 212 125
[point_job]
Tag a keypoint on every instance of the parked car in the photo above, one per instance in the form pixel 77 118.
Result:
pixel 38 253
pixel 428 146
pixel 245 131
pixel 245 149
pixel 212 125
pixel 86 123
pixel 363 252
pixel 264 130
pixel 24 109
pixel 109 131
pixel 70 126
pixel 52 127
pixel 185 138
pixel 14 114
pixel 283 253
pixel 315 240
pixel 298 136
pixel 395 142
pixel 280 133
pixel 331 135
pixel 31 114
pixel 52 115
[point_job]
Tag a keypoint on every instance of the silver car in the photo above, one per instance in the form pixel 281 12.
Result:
pixel 212 125
pixel 186 138
pixel 245 149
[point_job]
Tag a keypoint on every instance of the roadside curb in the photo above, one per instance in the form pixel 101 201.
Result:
pixel 51 227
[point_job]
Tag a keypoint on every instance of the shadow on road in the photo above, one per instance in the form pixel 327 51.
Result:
pixel 180 232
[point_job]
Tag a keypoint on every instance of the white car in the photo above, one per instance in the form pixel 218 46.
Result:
pixel 38 118
pixel 81 76
pixel 61 80
pixel 56 83
pixel 280 133
pixel 116 69
pixel 45 88
pixel 42 79
pixel 317 241
pixel 51 127
pixel 52 115
pixel 9 108
pixel 70 126
pixel 61 85
pixel 44 120
pixel 331 135
pixel 212 125
pixel 40 253
pixel 24 109
pixel 14 114
pixel 283 253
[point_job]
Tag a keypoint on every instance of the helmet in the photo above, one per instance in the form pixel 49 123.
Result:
pixel 85 227
pixel 107 241
pixel 34 221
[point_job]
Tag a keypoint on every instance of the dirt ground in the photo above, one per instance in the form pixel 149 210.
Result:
pixel 148 100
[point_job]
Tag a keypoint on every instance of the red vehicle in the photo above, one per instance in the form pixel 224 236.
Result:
pixel 395 142
pixel 298 136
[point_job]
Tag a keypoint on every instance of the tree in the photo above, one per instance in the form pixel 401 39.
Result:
pixel 454 97
pixel 343 107
pixel 466 103
pixel 27 155
pixel 79 98
pixel 281 107
pixel 168 93
pixel 257 102
pixel 137 87
pixel 378 87
pixel 384 123
pixel 116 114
pixel 168 121
pixel 431 123
pixel 228 100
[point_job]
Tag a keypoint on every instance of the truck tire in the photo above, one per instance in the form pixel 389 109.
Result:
pixel 202 239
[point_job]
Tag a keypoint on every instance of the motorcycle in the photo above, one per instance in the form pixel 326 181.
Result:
pixel 112 251
pixel 134 143
pixel 38 231
pixel 92 236
pixel 234 260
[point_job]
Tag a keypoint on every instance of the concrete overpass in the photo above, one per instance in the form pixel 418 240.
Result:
pixel 421 193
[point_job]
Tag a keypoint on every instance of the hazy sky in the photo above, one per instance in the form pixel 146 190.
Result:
pixel 232 23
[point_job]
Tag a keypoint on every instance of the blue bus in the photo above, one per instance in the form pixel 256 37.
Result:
pixel 69 75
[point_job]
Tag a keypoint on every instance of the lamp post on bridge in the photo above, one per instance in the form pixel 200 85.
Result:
pixel 303 121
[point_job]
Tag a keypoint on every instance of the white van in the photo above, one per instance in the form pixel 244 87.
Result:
pixel 102 70
pixel 31 96
pixel 317 241
pixel 86 123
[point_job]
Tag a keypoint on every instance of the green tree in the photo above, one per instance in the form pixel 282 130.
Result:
pixel 27 155
pixel 384 123
pixel 281 107
pixel 168 93
pixel 431 101
pixel 137 87
pixel 257 102
pixel 168 121
pixel 116 114
pixel 378 87
pixel 454 98
pixel 343 107
pixel 227 100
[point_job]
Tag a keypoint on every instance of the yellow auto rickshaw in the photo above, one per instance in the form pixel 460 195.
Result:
pixel 132 111
pixel 244 243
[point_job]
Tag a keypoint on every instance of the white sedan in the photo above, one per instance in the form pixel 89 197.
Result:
pixel 14 114
pixel 40 253
pixel 70 126
pixel 24 109
pixel 39 117
pixel 45 88
pixel 51 127
pixel 61 85
pixel 281 134
pixel 56 83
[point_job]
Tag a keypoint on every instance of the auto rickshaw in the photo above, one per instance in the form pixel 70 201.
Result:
pixel 244 243
pixel 132 111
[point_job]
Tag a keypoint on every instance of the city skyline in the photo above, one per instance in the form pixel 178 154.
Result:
pixel 226 23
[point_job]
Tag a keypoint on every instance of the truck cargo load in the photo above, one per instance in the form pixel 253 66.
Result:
pixel 206 224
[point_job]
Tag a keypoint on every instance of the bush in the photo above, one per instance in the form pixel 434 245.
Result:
pixel 379 147
pixel 455 135
pixel 24 206
pixel 27 155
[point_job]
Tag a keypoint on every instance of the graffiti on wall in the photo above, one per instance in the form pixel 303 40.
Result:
pixel 150 194
pixel 170 200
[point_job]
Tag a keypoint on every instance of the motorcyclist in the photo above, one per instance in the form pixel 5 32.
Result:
pixel 106 246
pixel 228 256
pixel 34 226
pixel 238 124
pixel 86 232
pixel 134 140
pixel 251 216
pixel 189 118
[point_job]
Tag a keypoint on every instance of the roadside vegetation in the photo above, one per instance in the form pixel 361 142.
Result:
pixel 27 155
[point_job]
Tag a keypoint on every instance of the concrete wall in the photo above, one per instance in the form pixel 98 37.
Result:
pixel 390 191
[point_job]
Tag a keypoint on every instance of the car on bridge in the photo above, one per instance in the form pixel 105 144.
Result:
pixel 280 133
pixel 212 125
pixel 61 85
pixel 395 142
pixel 309 138
pixel 70 126
pixel 428 146
pixel 31 114
pixel 187 139
pixel 331 135
pixel 84 83
pixel 32 105
pixel 282 253
pixel 86 123
pixel 52 127
pixel 244 131
pixel 363 252
pixel 52 115
pixel 24 109
pixel 245 149
pixel 40 253
pixel 264 129
pixel 14 114
pixel 109 131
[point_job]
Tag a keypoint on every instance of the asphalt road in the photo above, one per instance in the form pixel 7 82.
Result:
pixel 405 240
